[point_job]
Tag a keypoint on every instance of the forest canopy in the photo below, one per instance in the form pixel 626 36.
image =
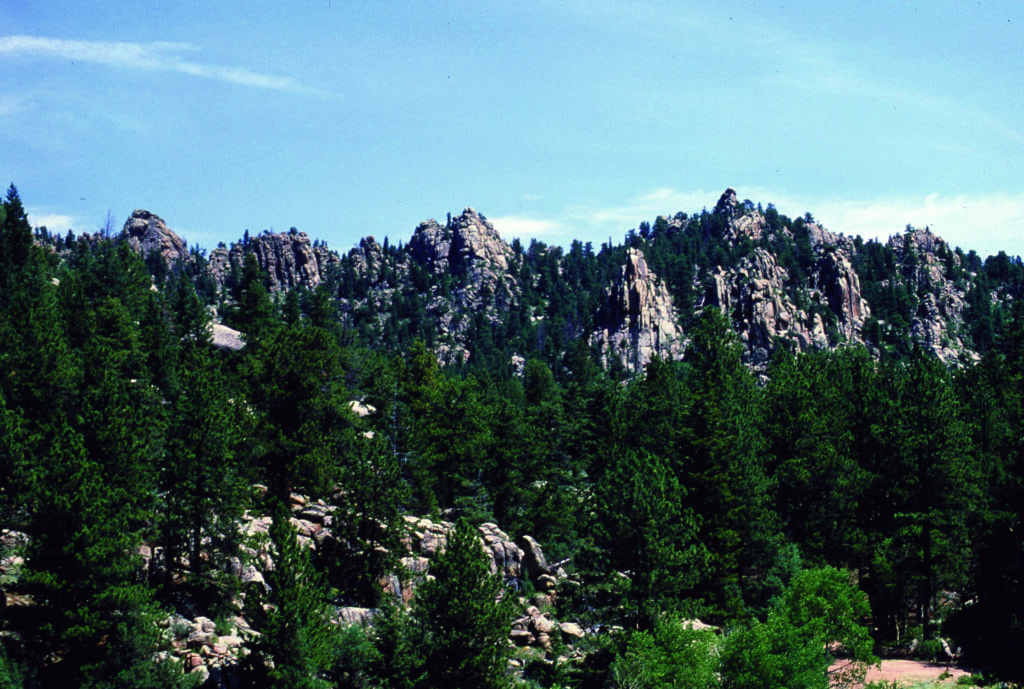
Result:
pixel 861 496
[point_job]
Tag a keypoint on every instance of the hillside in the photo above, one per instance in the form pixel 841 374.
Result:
pixel 241 465
pixel 481 301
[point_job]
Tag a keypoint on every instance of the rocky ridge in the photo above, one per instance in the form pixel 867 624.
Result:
pixel 454 278
pixel 289 260
pixel 767 307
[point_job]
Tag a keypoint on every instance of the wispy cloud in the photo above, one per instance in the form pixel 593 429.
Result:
pixel 987 223
pixel 647 206
pixel 157 56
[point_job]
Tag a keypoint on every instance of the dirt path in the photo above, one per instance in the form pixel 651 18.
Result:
pixel 908 672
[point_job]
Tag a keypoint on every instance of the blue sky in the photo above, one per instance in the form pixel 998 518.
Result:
pixel 558 120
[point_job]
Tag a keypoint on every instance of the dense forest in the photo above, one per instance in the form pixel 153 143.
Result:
pixel 852 500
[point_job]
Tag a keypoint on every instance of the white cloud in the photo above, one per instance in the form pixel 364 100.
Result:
pixel 159 55
pixel 10 104
pixel 511 226
pixel 54 222
pixel 986 223
pixel 648 206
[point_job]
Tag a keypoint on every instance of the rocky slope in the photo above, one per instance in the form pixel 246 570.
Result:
pixel 768 306
pixel 212 654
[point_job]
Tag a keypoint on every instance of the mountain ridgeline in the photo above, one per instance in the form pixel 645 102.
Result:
pixel 482 302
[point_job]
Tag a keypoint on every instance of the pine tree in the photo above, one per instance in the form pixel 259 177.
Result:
pixel 200 481
pixel 645 530
pixel 463 616
pixel 254 312
pixel 368 522
pixel 296 384
pixel 720 466
pixel 297 642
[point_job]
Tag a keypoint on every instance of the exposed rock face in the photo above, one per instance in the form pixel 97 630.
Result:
pixel 765 304
pixel 457 285
pixel 754 295
pixel 289 259
pixel 943 303
pixel 147 233
pixel 637 319
pixel 471 250
pixel 427 539
pixel 468 243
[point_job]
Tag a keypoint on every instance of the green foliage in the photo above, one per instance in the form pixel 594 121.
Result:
pixel 296 381
pixel 794 647
pixel 674 655
pixel 688 488
pixel 462 617
pixel 200 481
pixel 298 640
pixel 646 533
pixel 368 522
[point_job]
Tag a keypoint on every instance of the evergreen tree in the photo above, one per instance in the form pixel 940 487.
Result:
pixel 297 642
pixel 254 312
pixel 646 531
pixel 720 467
pixel 15 243
pixel 463 616
pixel 933 480
pixel 368 522
pixel 297 388
pixel 200 480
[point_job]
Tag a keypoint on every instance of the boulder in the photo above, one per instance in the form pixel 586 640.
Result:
pixel 571 631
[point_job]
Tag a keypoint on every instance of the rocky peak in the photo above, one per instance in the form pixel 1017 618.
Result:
pixel 637 319
pixel 467 243
pixel 147 233
pixel 921 257
pixel 917 253
pixel 740 222
pixel 367 258
pixel 289 259
pixel 728 204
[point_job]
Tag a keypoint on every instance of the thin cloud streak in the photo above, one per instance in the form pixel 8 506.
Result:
pixel 986 223
pixel 160 55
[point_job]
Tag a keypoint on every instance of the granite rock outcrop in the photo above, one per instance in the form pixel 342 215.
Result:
pixel 289 259
pixel 148 234
pixel 637 319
